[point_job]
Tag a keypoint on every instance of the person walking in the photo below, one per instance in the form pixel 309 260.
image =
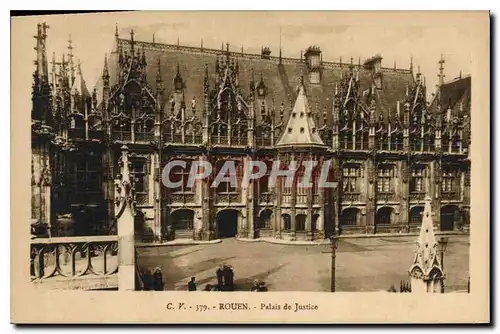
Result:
pixel 192 284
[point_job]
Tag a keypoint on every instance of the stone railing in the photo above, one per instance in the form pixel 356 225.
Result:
pixel 450 196
pixel 84 263
pixel 417 196
pixel 386 197
pixel 351 197
pixel 266 198
pixel 222 198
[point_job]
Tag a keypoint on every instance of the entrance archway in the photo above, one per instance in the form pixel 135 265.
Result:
pixel 449 214
pixel 227 223
pixel 384 216
pixel 416 215
pixel 349 217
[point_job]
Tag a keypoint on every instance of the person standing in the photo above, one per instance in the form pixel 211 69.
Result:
pixel 158 280
pixel 192 284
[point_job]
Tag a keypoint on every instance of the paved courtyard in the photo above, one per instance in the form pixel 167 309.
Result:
pixel 363 264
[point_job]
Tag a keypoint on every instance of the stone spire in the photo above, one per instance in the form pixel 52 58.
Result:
pixel 300 129
pixel 426 271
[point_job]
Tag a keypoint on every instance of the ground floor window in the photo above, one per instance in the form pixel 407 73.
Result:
pixel 384 216
pixel 349 217
pixel 416 215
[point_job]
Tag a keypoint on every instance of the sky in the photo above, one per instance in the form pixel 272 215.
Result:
pixel 396 36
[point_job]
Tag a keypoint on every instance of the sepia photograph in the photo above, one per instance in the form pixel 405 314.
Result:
pixel 251 152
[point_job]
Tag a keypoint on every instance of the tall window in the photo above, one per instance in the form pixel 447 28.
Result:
pixel 417 181
pixel 385 174
pixel 447 180
pixel 350 176
pixel 87 175
pixel 180 174
pixel 139 174
pixel 224 186
pixel 263 182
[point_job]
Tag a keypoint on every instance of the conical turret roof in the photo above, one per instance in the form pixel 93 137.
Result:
pixel 79 83
pixel 300 129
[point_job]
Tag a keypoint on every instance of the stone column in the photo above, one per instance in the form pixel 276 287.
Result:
pixel 250 205
pixel 404 196
pixel 371 200
pixel 207 228
pixel 125 212
pixel 293 196
pixel 277 206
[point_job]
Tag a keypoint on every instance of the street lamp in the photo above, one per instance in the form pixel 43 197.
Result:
pixel 443 243
pixel 333 241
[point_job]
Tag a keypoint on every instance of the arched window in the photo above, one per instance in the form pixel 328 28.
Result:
pixel 384 216
pixel 349 217
pixel 416 215
pixel 265 219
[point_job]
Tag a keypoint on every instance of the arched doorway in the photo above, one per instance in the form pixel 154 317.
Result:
pixel 300 222
pixel 182 219
pixel 349 217
pixel 264 220
pixel 227 223
pixel 384 216
pixel 449 215
pixel 416 215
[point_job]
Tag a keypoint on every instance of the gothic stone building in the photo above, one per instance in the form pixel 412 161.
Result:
pixel 389 145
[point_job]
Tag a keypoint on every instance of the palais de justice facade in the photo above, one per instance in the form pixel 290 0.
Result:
pixel 389 145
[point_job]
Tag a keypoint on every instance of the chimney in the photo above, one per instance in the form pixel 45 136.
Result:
pixel 374 64
pixel 313 60
pixel 265 52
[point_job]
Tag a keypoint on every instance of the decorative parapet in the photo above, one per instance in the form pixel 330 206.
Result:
pixel 76 262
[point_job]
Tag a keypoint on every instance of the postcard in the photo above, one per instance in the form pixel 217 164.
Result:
pixel 168 165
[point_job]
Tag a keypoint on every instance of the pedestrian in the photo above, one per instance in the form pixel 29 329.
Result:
pixel 255 286
pixel 208 287
pixel 220 275
pixel 158 280
pixel 147 280
pixel 192 284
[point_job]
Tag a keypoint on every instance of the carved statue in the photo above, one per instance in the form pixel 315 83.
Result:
pixel 193 104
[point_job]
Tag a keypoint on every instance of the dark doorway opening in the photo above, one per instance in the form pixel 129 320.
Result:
pixel 448 216
pixel 227 223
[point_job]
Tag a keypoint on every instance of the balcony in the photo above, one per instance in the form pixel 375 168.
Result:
pixel 182 197
pixel 450 196
pixel 351 197
pixel 266 198
pixel 417 196
pixel 122 136
pixel 226 198
pixel 81 263
pixel 386 197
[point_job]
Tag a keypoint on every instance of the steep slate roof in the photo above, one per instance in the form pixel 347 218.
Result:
pixel 300 129
pixel 454 93
pixel 281 80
